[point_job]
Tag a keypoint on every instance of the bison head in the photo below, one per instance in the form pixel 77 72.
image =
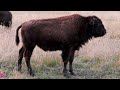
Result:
pixel 7 23
pixel 96 27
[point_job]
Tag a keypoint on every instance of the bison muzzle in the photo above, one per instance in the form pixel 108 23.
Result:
pixel 67 33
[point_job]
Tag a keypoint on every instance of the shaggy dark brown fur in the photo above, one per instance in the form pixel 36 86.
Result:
pixel 66 33
pixel 5 18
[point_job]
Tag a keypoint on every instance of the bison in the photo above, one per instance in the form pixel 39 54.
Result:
pixel 66 33
pixel 5 18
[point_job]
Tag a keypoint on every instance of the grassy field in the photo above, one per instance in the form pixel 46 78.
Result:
pixel 98 59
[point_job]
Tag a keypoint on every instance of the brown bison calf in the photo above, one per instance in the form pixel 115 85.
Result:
pixel 66 33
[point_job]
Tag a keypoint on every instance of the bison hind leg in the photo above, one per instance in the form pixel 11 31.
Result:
pixel 27 55
pixel 21 51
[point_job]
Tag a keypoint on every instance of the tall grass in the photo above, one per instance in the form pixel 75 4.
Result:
pixel 99 58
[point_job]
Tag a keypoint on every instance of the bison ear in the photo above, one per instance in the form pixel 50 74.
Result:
pixel 92 21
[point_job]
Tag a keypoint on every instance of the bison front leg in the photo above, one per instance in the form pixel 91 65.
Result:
pixel 67 56
pixel 70 63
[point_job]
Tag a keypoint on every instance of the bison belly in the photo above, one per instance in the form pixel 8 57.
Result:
pixel 50 46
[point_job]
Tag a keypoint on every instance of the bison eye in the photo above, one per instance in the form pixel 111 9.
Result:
pixel 95 25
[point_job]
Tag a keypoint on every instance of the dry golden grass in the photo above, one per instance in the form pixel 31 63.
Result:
pixel 98 59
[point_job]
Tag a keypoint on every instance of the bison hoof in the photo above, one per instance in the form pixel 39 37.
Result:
pixel 72 73
pixel 66 75
pixel 19 68
pixel 32 74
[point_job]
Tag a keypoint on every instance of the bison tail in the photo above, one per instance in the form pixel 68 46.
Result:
pixel 17 37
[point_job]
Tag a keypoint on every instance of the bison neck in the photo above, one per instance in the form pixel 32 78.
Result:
pixel 84 35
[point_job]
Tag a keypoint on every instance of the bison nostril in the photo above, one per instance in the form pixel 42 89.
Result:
pixel 105 32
